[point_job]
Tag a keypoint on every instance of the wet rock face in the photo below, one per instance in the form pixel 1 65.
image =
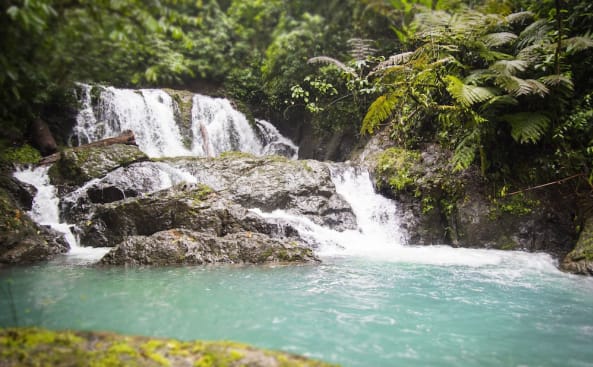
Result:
pixel 21 240
pixel 75 167
pixel 270 183
pixel 181 246
pixel 580 260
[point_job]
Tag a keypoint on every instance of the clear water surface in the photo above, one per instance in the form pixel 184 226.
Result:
pixel 351 311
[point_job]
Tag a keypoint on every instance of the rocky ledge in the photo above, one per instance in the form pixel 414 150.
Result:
pixel 37 347
pixel 580 260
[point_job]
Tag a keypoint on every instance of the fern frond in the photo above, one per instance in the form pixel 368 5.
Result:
pixel 393 60
pixel 509 67
pixel 521 87
pixel 499 39
pixel 465 151
pixel 378 112
pixel 535 32
pixel 527 127
pixel 330 60
pixel 465 94
pixel 500 101
pixel 580 43
pixel 360 48
pixel 558 81
pixel 532 54
pixel 519 17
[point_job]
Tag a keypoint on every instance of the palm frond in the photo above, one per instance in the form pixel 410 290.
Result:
pixel 465 94
pixel 499 39
pixel 378 112
pixel 330 60
pixel 521 87
pixel 527 127
pixel 579 43
pixel 500 101
pixel 519 17
pixel 532 54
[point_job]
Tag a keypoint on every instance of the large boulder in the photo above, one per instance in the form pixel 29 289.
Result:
pixel 182 246
pixel 580 260
pixel 80 165
pixel 271 183
pixel 185 206
pixel 39 347
pixel 42 137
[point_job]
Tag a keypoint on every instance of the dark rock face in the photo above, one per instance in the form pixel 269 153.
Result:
pixel 182 246
pixel 442 206
pixel 181 207
pixel 580 260
pixel 21 240
pixel 42 137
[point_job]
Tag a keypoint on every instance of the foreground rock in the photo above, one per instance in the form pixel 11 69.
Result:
pixel 184 247
pixel 38 347
pixel 21 239
pixel 580 260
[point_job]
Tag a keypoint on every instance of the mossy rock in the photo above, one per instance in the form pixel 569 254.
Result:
pixel 77 166
pixel 580 260
pixel 25 347
pixel 183 101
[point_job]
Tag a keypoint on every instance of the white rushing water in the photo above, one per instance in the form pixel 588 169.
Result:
pixel 380 236
pixel 150 113
pixel 45 211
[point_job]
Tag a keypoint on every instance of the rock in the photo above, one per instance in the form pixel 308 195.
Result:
pixel 23 241
pixel 21 192
pixel 40 347
pixel 183 113
pixel 78 166
pixel 271 183
pixel 42 137
pixel 181 246
pixel 193 207
pixel 580 260
pixel 444 206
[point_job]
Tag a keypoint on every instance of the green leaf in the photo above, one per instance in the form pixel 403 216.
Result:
pixel 378 112
pixel 527 127
pixel 465 94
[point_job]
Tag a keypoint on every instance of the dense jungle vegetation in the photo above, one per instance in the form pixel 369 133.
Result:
pixel 505 85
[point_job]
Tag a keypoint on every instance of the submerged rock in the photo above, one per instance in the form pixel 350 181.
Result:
pixel 181 246
pixel 580 260
pixel 38 347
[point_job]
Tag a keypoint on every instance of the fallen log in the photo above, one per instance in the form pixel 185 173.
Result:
pixel 127 137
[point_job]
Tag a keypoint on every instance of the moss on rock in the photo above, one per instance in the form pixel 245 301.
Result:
pixel 25 347
pixel 77 166
pixel 580 260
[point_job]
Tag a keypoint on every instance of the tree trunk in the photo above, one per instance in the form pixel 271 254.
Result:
pixel 127 137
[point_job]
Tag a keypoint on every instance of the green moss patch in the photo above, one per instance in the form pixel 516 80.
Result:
pixel 38 347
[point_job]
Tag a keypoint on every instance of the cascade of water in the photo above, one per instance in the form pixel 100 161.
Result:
pixel 147 112
pixel 380 235
pixel 216 126
pixel 45 210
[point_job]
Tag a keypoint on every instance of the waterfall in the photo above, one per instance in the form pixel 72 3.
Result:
pixel 380 235
pixel 216 126
pixel 45 210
